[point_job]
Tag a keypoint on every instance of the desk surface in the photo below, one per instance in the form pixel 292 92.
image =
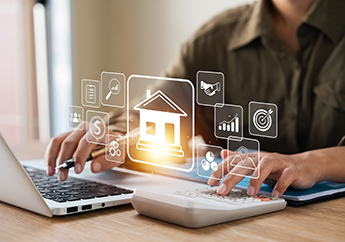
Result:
pixel 321 222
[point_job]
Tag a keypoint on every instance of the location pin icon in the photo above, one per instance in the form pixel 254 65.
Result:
pixel 243 152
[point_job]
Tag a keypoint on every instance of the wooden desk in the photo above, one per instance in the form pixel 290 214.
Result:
pixel 321 222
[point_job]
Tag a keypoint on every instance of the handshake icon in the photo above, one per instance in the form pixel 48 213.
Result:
pixel 210 89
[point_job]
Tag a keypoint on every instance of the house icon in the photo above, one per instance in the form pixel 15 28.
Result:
pixel 160 124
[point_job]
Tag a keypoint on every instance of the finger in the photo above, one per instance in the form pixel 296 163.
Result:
pixel 52 152
pixel 100 164
pixel 81 154
pixel 284 181
pixel 228 184
pixel 222 170
pixel 264 169
pixel 226 153
pixel 68 148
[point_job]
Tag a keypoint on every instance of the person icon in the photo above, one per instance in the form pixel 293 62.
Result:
pixel 242 164
pixel 75 118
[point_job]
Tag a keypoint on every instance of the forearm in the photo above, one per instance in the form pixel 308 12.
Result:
pixel 327 164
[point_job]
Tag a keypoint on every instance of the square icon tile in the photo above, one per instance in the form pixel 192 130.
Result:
pixel 113 89
pixel 116 149
pixel 208 159
pixel 263 119
pixel 90 92
pixel 228 121
pixel 75 117
pixel 246 160
pixel 98 127
pixel 210 88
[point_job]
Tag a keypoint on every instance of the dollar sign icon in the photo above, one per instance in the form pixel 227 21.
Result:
pixel 97 127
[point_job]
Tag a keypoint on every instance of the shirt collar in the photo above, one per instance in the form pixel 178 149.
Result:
pixel 250 26
pixel 328 16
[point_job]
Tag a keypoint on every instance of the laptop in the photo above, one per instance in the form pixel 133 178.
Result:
pixel 26 185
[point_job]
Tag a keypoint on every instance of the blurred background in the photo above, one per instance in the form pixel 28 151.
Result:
pixel 48 47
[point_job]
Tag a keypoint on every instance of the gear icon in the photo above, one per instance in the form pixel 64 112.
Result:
pixel 114 150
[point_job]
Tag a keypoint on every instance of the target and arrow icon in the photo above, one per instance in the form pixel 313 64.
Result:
pixel 262 119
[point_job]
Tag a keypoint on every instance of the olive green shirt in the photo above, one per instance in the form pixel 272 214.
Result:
pixel 309 89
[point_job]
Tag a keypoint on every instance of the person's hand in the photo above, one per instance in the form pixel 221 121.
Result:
pixel 74 144
pixel 300 171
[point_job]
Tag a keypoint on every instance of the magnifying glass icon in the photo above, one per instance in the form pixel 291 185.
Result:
pixel 114 88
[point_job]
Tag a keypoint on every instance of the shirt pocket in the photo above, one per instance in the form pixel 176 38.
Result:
pixel 332 93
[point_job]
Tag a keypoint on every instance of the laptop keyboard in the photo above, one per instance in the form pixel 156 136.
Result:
pixel 72 189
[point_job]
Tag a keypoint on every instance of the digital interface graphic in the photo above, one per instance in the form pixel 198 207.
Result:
pixel 228 121
pixel 210 88
pixel 208 159
pixel 263 119
pixel 161 120
pixel 113 89
pixel 247 158
pixel 97 130
pixel 90 92
pixel 75 117
pixel 165 119
pixel 116 148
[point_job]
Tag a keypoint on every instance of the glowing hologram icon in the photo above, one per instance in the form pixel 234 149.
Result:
pixel 160 124
pixel 113 89
pixel 90 93
pixel 97 130
pixel 208 159
pixel 90 90
pixel 116 150
pixel 165 123
pixel 75 117
pixel 246 161
pixel 242 160
pixel 210 88
pixel 231 126
pixel 209 162
pixel 263 119
pixel 228 121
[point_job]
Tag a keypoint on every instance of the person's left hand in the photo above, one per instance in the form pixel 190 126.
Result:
pixel 300 171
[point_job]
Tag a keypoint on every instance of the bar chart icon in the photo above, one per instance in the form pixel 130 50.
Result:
pixel 228 121
pixel 230 126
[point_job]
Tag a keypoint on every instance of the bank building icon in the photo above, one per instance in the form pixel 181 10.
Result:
pixel 160 124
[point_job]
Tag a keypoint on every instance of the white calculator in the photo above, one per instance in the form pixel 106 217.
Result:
pixel 203 207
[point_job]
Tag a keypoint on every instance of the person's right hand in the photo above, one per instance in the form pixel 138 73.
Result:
pixel 74 144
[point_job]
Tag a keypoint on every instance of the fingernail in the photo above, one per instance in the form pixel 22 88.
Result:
pixel 50 171
pixel 77 168
pixel 275 193
pixel 222 189
pixel 251 191
pixel 97 167
pixel 62 175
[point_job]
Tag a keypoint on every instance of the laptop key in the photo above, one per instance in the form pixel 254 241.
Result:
pixel 72 193
pixel 84 196
pixel 71 199
pixel 59 200
pixel 62 190
pixel 48 196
